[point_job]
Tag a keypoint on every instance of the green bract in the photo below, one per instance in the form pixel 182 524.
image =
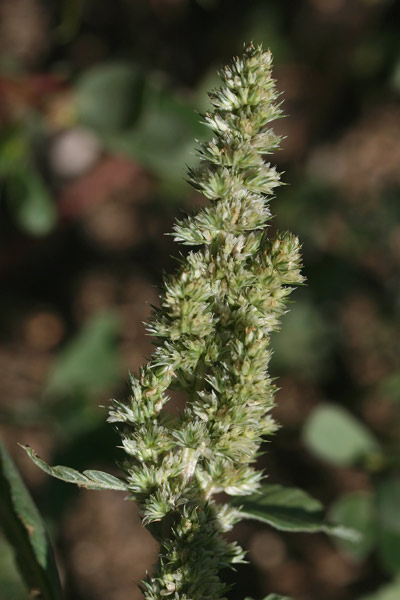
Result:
pixel 212 330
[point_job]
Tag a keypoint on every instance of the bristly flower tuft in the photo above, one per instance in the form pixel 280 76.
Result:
pixel 212 336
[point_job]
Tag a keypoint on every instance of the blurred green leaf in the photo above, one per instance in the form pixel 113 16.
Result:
pixel 390 591
pixel 334 435
pixel 209 82
pixel 287 509
pixel 162 139
pixel 90 361
pixel 30 201
pixel 356 510
pixel 12 585
pixel 14 150
pixel 108 97
pixel 91 479
pixel 25 531
pixel 388 501
pixel 265 26
pixel 304 344
pixel 71 17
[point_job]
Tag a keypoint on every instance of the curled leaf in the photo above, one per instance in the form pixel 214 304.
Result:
pixel 91 480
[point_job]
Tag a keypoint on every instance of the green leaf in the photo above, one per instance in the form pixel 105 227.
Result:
pixel 14 150
pixel 356 510
pixel 12 585
pixel 108 97
pixel 304 344
pixel 71 18
pixel 388 501
pixel 333 434
pixel 25 531
pixel 162 139
pixel 30 202
pixel 288 509
pixel 91 480
pixel 90 361
pixel 390 591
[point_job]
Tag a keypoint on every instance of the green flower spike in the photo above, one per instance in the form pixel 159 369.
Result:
pixel 212 335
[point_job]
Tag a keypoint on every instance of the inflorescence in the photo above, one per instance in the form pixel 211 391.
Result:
pixel 212 334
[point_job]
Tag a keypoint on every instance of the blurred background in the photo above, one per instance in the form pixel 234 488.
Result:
pixel 97 122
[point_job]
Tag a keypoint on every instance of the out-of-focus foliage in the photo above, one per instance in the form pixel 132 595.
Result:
pixel 89 362
pixel 29 199
pixel 12 585
pixel 327 425
pixel 357 510
pixel 97 118
pixel 108 97
pixel 387 592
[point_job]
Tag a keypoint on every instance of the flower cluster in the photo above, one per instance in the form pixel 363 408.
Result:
pixel 212 334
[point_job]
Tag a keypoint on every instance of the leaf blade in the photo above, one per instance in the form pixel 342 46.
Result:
pixel 91 479
pixel 288 509
pixel 335 435
pixel 356 509
pixel 388 500
pixel 31 202
pixel 24 528
pixel 390 591
pixel 88 362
